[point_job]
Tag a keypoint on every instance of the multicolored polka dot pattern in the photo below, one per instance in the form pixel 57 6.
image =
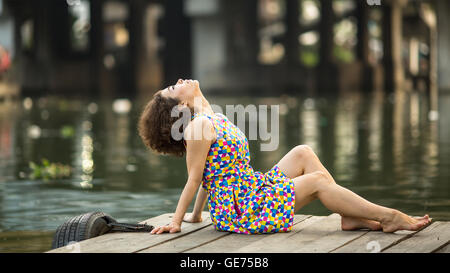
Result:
pixel 240 199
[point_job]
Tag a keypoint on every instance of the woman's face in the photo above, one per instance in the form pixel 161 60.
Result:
pixel 183 90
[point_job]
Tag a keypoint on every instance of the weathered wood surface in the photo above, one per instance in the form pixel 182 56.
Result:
pixel 373 242
pixel 312 234
pixel 234 242
pixel 428 240
pixel 273 243
pixel 444 249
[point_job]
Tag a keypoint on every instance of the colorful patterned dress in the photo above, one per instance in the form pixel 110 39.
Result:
pixel 240 199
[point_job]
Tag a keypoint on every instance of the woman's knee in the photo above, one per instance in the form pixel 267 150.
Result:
pixel 312 183
pixel 303 151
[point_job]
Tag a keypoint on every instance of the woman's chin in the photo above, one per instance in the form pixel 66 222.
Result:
pixel 197 87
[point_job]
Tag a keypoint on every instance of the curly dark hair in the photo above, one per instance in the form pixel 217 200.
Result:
pixel 155 125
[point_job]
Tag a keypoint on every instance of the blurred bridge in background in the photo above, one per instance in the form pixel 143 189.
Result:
pixel 118 48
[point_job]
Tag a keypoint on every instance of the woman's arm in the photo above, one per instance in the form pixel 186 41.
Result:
pixel 197 149
pixel 200 202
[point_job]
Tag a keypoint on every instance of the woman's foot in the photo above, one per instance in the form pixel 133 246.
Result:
pixel 350 223
pixel 399 221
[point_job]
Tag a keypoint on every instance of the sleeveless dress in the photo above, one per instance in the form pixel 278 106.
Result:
pixel 240 199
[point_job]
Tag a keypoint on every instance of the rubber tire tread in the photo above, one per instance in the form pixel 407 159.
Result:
pixel 80 228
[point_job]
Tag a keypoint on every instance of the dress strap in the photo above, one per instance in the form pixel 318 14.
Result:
pixel 200 114
pixel 214 121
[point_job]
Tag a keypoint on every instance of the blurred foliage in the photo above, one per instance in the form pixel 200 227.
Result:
pixel 310 58
pixel 343 54
pixel 67 131
pixel 48 170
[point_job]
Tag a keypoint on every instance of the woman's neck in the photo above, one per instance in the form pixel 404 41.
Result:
pixel 201 105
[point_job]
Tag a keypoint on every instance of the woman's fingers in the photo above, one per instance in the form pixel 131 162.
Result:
pixel 163 229
pixel 160 230
pixel 172 228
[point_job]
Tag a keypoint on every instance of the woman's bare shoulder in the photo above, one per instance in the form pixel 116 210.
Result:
pixel 200 128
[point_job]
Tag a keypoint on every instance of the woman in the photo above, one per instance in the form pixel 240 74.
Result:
pixel 240 199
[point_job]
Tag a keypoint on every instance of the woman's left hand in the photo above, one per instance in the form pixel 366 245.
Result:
pixel 171 228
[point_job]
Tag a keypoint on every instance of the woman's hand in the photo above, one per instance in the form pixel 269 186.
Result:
pixel 171 228
pixel 191 218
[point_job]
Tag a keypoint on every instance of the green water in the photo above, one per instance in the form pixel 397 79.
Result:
pixel 383 147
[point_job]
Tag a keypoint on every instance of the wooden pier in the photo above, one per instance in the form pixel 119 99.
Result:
pixel 310 234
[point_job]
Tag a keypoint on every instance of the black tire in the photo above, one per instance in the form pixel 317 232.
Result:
pixel 82 227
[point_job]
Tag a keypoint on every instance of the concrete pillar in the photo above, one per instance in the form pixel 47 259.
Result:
pixel 428 15
pixel 367 82
pixel 177 35
pixel 443 18
pixel 136 23
pixel 97 47
pixel 292 32
pixel 251 15
pixel 208 41
pixel 327 76
pixel 43 52
pixel 362 14
pixel 36 70
pixel 326 32
pixel 392 40
pixel 241 24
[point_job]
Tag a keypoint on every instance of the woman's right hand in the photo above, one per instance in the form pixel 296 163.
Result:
pixel 191 218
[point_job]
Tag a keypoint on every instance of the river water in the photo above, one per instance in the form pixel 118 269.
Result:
pixel 388 148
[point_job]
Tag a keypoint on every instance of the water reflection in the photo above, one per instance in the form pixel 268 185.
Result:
pixel 346 136
pixel 398 148
pixel 375 123
pixel 83 160
pixel 117 148
pixel 309 122
pixel 384 147
pixel 8 146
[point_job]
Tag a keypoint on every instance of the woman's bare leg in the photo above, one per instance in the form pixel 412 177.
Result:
pixel 302 160
pixel 313 181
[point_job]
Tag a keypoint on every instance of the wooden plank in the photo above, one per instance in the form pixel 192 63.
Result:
pixel 187 242
pixel 133 242
pixel 234 242
pixel 445 249
pixel 271 244
pixel 325 236
pixel 425 241
pixel 290 242
pixel 374 241
pixel 309 233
